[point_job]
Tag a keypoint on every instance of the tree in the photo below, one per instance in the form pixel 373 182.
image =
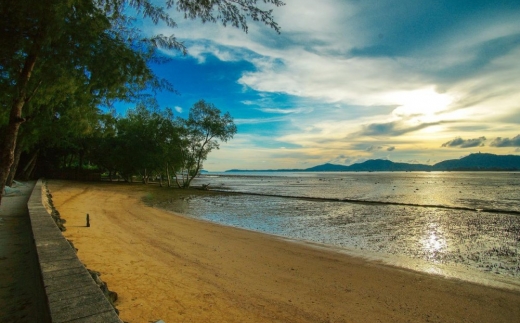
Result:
pixel 199 135
pixel 77 38
pixel 54 56
pixel 139 142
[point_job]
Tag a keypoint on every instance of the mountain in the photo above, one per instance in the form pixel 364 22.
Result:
pixel 382 165
pixel 480 161
pixel 266 170
pixel 373 165
pixel 327 168
pixel 473 162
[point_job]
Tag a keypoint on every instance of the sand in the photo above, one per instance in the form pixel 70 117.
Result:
pixel 179 269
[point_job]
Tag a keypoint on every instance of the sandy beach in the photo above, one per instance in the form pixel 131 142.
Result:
pixel 178 269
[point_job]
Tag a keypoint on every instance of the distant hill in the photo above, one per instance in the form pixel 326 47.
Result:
pixel 473 162
pixel 373 165
pixel 381 165
pixel 267 170
pixel 328 168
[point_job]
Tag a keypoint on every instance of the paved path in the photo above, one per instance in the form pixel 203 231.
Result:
pixel 22 298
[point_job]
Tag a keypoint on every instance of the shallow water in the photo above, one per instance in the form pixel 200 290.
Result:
pixel 468 221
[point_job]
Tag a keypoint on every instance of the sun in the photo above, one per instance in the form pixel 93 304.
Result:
pixel 420 106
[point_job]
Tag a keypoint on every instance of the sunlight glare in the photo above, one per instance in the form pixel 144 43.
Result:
pixel 422 105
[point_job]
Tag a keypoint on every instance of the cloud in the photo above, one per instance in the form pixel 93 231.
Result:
pixel 374 148
pixel 201 49
pixel 394 128
pixel 341 32
pixel 465 143
pixel 506 142
pixel 347 160
pixel 241 121
pixel 178 109
pixel 399 73
pixel 283 111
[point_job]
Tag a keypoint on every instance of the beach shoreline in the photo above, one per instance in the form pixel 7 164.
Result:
pixel 179 269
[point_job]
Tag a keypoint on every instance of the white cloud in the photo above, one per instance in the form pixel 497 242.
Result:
pixel 284 111
pixel 454 83
pixel 241 121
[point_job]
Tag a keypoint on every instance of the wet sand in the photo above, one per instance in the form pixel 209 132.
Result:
pixel 178 269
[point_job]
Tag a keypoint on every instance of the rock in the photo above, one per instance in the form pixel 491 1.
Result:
pixel 54 213
pixel 110 295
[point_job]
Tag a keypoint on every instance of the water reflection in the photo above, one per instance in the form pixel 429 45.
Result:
pixel 433 243
pixel 485 242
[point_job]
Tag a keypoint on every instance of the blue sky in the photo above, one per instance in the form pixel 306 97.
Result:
pixel 351 80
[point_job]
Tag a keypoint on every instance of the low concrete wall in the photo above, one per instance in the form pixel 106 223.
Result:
pixel 72 294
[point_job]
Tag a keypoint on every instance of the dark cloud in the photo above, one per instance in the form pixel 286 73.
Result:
pixel 395 128
pixel 398 30
pixel 484 54
pixel 465 143
pixel 379 128
pixel 374 148
pixel 506 142
pixel 390 148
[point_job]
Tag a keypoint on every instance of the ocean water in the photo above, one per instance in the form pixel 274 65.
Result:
pixel 456 224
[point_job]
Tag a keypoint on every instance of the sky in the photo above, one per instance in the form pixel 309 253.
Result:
pixel 350 80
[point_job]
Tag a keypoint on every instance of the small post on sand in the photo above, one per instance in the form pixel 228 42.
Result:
pixel 88 221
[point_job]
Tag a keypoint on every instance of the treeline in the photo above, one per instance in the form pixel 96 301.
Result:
pixel 146 142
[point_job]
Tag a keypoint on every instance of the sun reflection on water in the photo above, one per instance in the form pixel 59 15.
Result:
pixel 433 243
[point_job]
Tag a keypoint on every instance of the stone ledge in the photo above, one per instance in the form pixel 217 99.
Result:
pixel 72 294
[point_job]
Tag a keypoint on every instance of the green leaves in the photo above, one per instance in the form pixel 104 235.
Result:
pixel 228 12
pixel 61 60
pixel 199 135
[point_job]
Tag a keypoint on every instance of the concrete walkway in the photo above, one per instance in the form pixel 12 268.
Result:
pixel 22 296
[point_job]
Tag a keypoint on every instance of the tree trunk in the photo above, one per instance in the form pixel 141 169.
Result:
pixel 27 170
pixel 176 178
pixel 14 166
pixel 168 175
pixel 81 156
pixel 8 144
pixel 190 177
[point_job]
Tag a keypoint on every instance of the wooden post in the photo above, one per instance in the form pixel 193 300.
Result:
pixel 88 221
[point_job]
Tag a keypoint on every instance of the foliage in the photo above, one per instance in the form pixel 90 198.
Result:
pixel 199 135
pixel 61 60
pixel 150 143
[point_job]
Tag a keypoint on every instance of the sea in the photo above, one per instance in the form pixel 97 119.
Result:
pixel 462 225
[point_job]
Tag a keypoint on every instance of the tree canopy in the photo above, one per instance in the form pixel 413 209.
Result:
pixel 63 60
pixel 199 136
pixel 146 142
